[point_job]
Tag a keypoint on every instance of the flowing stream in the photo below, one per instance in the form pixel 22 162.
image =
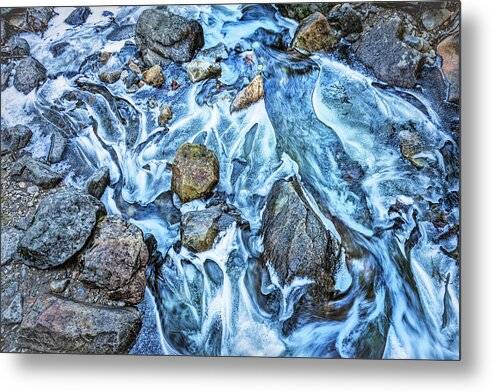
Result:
pixel 331 125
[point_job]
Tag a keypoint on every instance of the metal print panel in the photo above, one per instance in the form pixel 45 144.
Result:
pixel 232 180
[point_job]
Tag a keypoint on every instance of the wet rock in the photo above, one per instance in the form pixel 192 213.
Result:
pixel 31 170
pixel 162 37
pixel 59 286
pixel 10 239
pixel 34 19
pixel 411 144
pixel 382 50
pixel 195 172
pixel 214 54
pixel 14 138
pixel 116 259
pixel 296 243
pixel 110 77
pixel 13 313
pixel 300 11
pixel 57 325
pixel 165 115
pixel 29 74
pixel 435 17
pixel 153 76
pixel 214 272
pixel 200 70
pixel 97 183
pixel 62 224
pixel 449 50
pixel 200 228
pixel 252 93
pixel 314 34
pixel 166 208
pixel 78 16
pixel 346 18
pixel 58 49
pixel 18 47
pixel 5 73
pixel 58 144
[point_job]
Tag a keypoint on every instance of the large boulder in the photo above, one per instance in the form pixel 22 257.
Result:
pixel 34 19
pixel 56 325
pixel 381 49
pixel 29 74
pixel 61 226
pixel 31 170
pixel 252 93
pixel 449 50
pixel 163 37
pixel 14 138
pixel 115 260
pixel 195 172
pixel 296 243
pixel 314 34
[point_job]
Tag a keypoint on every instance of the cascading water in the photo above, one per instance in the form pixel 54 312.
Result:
pixel 331 126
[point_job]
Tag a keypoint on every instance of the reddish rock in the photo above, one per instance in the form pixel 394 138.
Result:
pixel 449 50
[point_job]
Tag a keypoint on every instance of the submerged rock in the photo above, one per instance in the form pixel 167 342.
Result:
pixel 153 76
pixel 449 50
pixel 78 16
pixel 97 183
pixel 296 243
pixel 162 37
pixel 110 77
pixel 165 115
pixel 34 171
pixel 58 144
pixel 314 34
pixel 29 74
pixel 116 259
pixel 381 49
pixel 195 172
pixel 252 93
pixel 57 325
pixel 14 138
pixel 200 70
pixel 61 226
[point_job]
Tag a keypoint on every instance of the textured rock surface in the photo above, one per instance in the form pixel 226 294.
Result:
pixel 162 36
pixel 449 50
pixel 200 228
pixel 252 93
pixel 10 239
pixel 15 138
pixel 300 11
pixel 392 61
pixel 165 115
pixel 29 169
pixel 62 225
pixel 78 16
pixel 97 183
pixel 116 259
pixel 29 74
pixel 195 172
pixel 201 70
pixel 153 76
pixel 58 143
pixel 56 325
pixel 296 243
pixel 314 34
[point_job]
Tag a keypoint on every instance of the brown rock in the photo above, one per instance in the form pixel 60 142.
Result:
pixel 116 259
pixel 449 50
pixel 200 70
pixel 200 228
pixel 165 115
pixel 252 93
pixel 57 325
pixel 195 172
pixel 153 76
pixel 314 34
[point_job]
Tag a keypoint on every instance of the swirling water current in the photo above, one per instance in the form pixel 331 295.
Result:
pixel 325 122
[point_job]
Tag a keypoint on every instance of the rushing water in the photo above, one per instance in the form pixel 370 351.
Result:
pixel 328 124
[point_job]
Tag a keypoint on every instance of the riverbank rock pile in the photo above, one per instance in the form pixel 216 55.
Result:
pixel 395 43
pixel 70 278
